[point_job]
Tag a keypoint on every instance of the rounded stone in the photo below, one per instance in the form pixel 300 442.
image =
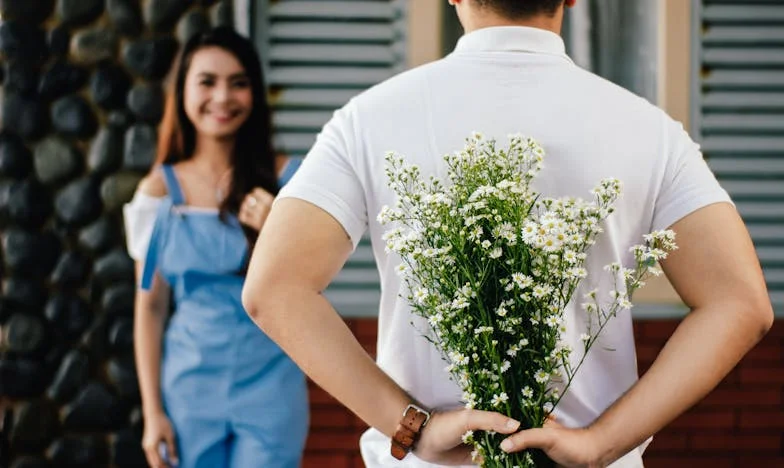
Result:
pixel 77 451
pixel 71 270
pixel 25 116
pixel 22 41
pixel 93 409
pixel 106 152
pixel 150 58
pixel 95 340
pixel 222 14
pixel 35 425
pixel 79 12
pixel 56 160
pixel 118 300
pixel 24 334
pixel 99 236
pixel 194 22
pixel 73 117
pixel 93 45
pixel 146 101
pixel 79 203
pixel 109 86
pixel 114 267
pixel 126 16
pixel 60 79
pixel 22 378
pixel 121 334
pixel 21 77
pixel 30 253
pixel 28 204
pixel 120 119
pixel 59 41
pixel 118 189
pixel 122 375
pixel 16 161
pixel 31 11
pixel 125 448
pixel 161 15
pixel 68 315
pixel 73 373
pixel 141 142
pixel 24 293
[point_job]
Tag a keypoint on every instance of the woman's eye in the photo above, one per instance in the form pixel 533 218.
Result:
pixel 206 83
pixel 241 84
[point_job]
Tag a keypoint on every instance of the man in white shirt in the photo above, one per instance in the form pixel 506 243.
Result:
pixel 509 74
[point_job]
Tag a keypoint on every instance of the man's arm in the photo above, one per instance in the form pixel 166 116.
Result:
pixel 716 272
pixel 299 251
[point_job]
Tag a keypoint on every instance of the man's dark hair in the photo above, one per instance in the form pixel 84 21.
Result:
pixel 521 9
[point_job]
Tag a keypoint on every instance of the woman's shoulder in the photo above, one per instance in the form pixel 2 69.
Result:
pixel 153 185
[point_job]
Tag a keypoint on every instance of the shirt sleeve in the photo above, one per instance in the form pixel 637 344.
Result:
pixel 139 216
pixel 688 184
pixel 328 177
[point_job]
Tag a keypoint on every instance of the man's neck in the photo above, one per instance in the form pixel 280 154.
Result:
pixel 490 20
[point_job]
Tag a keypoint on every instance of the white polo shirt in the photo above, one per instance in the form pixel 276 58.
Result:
pixel 501 81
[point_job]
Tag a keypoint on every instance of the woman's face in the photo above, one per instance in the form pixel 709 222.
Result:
pixel 217 97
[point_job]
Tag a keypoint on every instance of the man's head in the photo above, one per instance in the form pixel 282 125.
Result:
pixel 521 9
pixel 545 14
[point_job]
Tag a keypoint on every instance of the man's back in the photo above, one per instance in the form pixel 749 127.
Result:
pixel 501 81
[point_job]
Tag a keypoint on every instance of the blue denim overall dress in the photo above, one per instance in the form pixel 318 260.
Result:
pixel 234 398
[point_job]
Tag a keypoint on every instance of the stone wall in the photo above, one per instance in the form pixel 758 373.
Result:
pixel 82 96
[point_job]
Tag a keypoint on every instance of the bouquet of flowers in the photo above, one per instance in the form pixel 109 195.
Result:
pixel 491 265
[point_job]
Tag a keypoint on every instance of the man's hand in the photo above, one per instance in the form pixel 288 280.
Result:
pixel 441 440
pixel 569 448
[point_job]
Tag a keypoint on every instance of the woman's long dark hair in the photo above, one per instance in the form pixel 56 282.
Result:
pixel 253 159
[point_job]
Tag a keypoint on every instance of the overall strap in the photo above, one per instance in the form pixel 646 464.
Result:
pixel 153 250
pixel 175 192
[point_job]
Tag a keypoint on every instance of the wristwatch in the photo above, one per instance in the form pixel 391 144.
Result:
pixel 407 433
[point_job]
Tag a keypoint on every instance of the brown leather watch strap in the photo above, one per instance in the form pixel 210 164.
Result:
pixel 407 433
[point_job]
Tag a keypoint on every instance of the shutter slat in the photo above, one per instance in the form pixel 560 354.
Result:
pixel 312 98
pixel 771 254
pixel 747 123
pixel 741 57
pixel 743 35
pixel 767 233
pixel 298 143
pixel 298 120
pixel 745 144
pixel 333 10
pixel 333 54
pixel 735 101
pixel 328 76
pixel 747 166
pixel 744 14
pixel 766 211
pixel 755 189
pixel 321 32
pixel 745 79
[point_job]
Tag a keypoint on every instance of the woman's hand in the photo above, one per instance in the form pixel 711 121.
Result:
pixel 157 429
pixel 255 208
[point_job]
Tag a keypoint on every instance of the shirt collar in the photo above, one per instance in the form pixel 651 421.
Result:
pixel 512 39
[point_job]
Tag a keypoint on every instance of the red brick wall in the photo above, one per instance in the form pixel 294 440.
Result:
pixel 741 424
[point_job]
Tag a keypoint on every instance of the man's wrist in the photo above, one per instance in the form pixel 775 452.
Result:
pixel 414 419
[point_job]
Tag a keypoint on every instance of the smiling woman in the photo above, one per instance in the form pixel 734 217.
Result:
pixel 210 379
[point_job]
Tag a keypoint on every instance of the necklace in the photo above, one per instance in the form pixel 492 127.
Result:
pixel 219 193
